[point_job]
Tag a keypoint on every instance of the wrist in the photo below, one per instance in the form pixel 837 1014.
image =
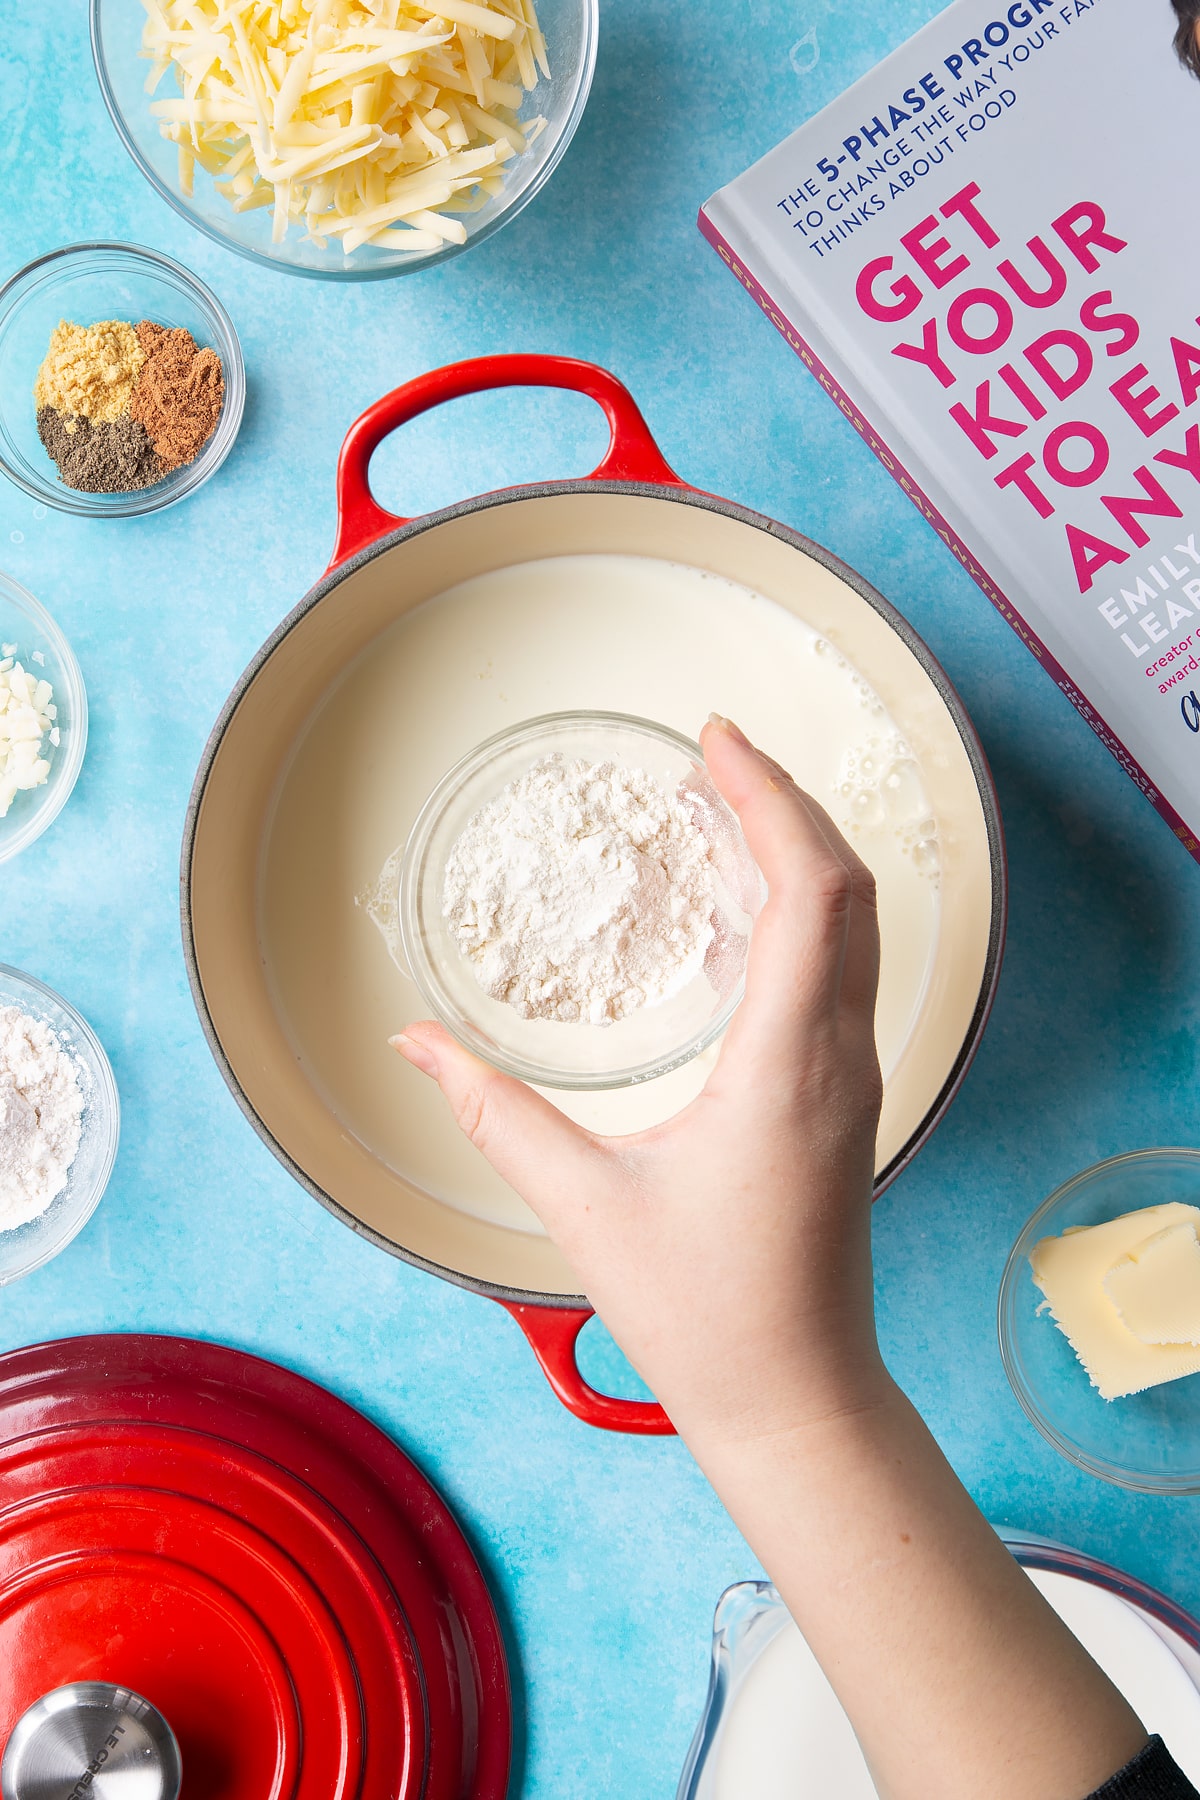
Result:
pixel 826 1396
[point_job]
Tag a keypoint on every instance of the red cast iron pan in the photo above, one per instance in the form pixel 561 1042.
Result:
pixel 380 563
pixel 254 1558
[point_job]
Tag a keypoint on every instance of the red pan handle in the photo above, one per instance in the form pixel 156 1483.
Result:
pixel 552 1332
pixel 632 453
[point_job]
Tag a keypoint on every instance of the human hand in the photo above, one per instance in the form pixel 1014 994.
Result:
pixel 728 1250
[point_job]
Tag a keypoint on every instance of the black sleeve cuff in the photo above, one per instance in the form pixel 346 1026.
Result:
pixel 1152 1775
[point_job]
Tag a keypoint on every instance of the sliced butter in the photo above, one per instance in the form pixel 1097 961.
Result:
pixel 1156 1287
pixel 1071 1269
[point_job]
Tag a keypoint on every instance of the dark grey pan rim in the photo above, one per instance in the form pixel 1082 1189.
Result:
pixel 682 496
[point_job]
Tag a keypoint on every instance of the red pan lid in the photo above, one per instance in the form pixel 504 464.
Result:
pixel 262 1564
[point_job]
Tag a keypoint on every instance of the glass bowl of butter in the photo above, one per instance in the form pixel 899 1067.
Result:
pixel 1099 1320
pixel 576 901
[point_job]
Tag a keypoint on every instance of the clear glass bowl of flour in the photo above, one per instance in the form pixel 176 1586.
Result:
pixel 579 1054
pixel 26 1247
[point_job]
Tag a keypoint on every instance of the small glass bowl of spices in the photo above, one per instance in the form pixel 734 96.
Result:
pixel 43 719
pixel 121 380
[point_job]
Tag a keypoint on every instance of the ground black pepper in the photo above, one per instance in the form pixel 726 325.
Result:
pixel 100 459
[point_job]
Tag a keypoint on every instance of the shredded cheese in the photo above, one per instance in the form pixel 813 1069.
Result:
pixel 365 120
pixel 27 715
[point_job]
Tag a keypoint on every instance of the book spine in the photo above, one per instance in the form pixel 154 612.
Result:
pixel 920 499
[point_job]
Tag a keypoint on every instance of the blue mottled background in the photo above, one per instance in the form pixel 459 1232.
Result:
pixel 607 1555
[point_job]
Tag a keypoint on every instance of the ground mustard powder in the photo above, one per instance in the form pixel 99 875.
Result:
pixel 90 370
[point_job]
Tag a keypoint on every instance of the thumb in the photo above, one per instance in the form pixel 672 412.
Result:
pixel 530 1144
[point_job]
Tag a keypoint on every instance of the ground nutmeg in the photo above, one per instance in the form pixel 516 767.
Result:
pixel 179 393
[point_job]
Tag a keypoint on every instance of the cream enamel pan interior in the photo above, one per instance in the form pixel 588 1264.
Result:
pixel 301 666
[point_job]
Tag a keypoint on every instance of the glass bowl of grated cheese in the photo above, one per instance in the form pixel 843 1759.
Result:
pixel 576 901
pixel 54 1076
pixel 37 772
pixel 346 139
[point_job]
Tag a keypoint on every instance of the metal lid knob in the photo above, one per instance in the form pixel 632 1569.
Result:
pixel 91 1741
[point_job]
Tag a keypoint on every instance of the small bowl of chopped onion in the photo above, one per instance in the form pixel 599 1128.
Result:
pixel 43 719
pixel 60 1120
pixel 576 901
pixel 349 139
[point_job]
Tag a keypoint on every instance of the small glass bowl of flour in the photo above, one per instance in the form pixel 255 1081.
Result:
pixel 59 1123
pixel 576 901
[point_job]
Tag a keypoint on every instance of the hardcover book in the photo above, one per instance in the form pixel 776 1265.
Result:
pixel 986 252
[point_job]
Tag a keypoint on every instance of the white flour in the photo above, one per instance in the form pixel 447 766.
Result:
pixel 41 1115
pixel 582 892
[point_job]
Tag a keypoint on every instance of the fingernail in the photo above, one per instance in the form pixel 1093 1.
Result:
pixel 415 1052
pixel 724 724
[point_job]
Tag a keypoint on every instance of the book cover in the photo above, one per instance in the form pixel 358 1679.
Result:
pixel 986 252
